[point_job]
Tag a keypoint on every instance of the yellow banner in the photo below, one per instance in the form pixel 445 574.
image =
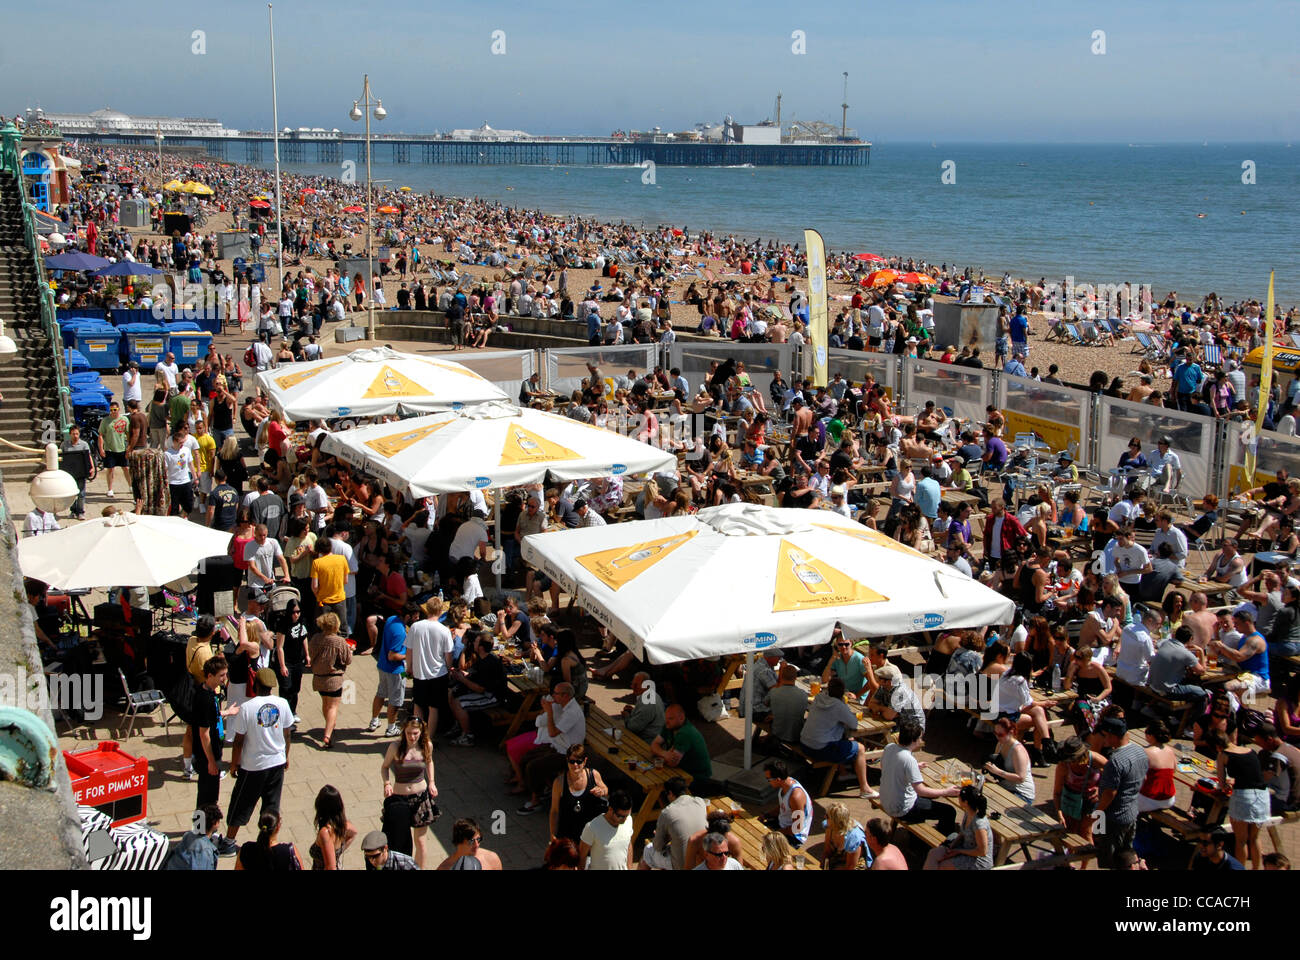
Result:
pixel 1058 436
pixel 524 446
pixel 391 384
pixel 616 568
pixel 1265 384
pixel 804 583
pixel 818 336
pixel 393 444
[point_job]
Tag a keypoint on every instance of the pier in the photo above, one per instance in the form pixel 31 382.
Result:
pixel 428 149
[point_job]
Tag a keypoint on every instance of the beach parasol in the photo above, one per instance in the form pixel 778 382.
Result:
pixel 869 257
pixel 372 383
pixel 388 208
pixel 259 204
pixel 75 260
pixel 880 278
pixel 193 186
pixel 173 186
pixel 404 189
pixel 792 576
pixel 309 190
pixel 127 268
pixel 916 279
pixel 354 209
pixel 126 549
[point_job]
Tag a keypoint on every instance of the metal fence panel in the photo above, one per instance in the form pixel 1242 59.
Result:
pixel 1275 451
pixel 856 364
pixel 761 361
pixel 1058 415
pixel 1191 437
pixel 508 369
pixel 566 367
pixel 963 392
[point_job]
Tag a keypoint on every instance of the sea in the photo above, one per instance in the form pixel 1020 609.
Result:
pixel 1193 218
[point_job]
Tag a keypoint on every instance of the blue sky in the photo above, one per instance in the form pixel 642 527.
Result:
pixel 927 70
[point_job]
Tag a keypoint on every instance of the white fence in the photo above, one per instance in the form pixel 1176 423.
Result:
pixel 761 361
pixel 1274 452
pixel 962 392
pixel 1060 416
pixel 1192 437
pixel 567 368
pixel 508 369
pixel 855 365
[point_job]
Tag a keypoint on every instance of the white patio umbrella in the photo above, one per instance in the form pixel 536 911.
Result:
pixel 491 445
pixel 124 550
pixel 374 382
pixel 740 578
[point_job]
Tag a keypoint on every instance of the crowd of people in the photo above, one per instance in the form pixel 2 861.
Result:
pixel 373 572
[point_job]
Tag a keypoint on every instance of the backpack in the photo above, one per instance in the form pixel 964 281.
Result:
pixel 250 357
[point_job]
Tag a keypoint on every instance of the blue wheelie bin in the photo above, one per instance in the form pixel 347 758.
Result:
pixel 100 343
pixel 145 343
pixel 188 342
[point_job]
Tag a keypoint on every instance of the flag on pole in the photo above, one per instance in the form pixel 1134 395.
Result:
pixel 818 337
pixel 1265 386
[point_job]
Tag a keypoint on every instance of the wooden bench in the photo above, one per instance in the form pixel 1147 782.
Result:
pixel 751 832
pixel 830 766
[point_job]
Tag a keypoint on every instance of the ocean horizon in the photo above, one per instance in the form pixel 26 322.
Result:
pixel 1101 213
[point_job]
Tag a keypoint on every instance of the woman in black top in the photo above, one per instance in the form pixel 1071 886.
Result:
pixel 231 459
pixel 264 853
pixel 578 795
pixel 291 653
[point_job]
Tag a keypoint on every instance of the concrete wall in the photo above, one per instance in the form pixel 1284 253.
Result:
pixel 39 829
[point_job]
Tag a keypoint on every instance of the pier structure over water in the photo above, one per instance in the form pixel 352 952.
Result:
pixel 336 148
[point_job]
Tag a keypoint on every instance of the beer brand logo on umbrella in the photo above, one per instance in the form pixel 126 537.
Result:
pixel 616 568
pixel 804 582
pixel 867 535
pixel 394 444
pixel 524 446
pixel 390 383
pixel 293 379
pixel 459 370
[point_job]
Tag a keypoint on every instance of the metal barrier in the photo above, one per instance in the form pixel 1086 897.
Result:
pixel 856 364
pixel 1060 416
pixel 1273 452
pixel 1191 436
pixel 761 361
pixel 566 368
pixel 508 369
pixel 963 392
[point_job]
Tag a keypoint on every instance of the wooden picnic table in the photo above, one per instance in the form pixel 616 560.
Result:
pixel 869 727
pixel 751 832
pixel 632 757
pixel 529 690
pixel 959 498
pixel 1017 824
pixel 1210 588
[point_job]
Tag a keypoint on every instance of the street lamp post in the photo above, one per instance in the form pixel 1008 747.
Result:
pixel 159 138
pixel 356 114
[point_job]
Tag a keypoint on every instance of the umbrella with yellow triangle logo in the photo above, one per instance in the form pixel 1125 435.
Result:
pixel 374 382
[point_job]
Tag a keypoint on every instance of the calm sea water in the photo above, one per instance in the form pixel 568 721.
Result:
pixel 1104 214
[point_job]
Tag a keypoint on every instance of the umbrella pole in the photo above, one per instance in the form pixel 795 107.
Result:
pixel 498 561
pixel 749 708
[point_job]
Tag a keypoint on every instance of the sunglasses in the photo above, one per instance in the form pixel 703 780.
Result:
pixel 715 853
pixel 577 763
pixel 374 854
pixel 843 646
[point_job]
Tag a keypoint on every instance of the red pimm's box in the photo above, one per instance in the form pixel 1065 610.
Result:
pixel 111 781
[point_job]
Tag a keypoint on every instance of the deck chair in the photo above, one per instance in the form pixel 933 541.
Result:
pixel 1143 344
pixel 1213 355
pixel 1072 333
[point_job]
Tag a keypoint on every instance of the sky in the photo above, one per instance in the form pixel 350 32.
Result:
pixel 965 70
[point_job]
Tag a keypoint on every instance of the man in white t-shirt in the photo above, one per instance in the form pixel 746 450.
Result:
pixel 471 539
pixel 169 369
pixel 131 389
pixel 261 752
pixel 1136 648
pixel 607 840
pixel 40 521
pixel 428 651
pixel 717 854
pixel 1131 561
pixel 262 554
pixel 1125 511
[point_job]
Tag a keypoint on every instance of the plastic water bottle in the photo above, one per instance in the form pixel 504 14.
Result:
pixel 1056 678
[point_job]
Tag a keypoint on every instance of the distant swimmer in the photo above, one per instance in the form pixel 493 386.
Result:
pixel 1200 216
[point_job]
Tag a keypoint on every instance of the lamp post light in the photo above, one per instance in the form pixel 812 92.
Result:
pixel 158 138
pixel 356 113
